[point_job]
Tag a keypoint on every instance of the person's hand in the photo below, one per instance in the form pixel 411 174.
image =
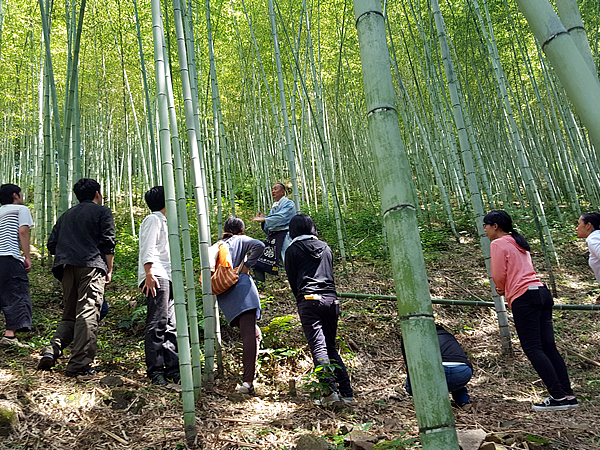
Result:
pixel 243 269
pixel 150 285
pixel 108 277
pixel 27 264
pixel 260 217
pixel 499 291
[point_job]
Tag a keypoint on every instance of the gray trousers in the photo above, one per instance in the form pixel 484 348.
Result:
pixel 83 291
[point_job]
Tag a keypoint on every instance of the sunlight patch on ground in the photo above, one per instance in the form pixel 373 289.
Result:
pixel 5 376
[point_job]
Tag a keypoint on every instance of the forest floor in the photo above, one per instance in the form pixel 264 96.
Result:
pixel 56 412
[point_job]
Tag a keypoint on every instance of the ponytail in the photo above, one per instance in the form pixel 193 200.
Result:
pixel 520 240
pixel 504 222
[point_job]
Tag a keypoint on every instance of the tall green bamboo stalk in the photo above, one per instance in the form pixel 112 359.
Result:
pixel 183 341
pixel 434 414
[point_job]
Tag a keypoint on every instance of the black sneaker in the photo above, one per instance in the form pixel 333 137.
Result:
pixel 173 377
pixel 551 404
pixel 158 378
pixel 573 403
pixel 87 370
pixel 47 362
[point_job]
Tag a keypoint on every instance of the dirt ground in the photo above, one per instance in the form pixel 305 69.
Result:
pixel 56 412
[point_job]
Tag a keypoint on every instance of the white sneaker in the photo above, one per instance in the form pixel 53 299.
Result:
pixel 9 342
pixel 329 400
pixel 245 388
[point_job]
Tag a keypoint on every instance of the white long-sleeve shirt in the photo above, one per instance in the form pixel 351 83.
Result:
pixel 593 242
pixel 154 247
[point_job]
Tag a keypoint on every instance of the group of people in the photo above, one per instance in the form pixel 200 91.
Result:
pixel 83 243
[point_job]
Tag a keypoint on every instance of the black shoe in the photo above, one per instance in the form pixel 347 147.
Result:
pixel 158 378
pixel 173 377
pixel 573 403
pixel 87 370
pixel 550 404
pixel 47 362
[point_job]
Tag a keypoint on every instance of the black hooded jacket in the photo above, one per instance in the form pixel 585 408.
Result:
pixel 309 268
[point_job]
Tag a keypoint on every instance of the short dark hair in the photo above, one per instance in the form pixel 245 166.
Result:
pixel 233 225
pixel 85 189
pixel 593 218
pixel 504 222
pixel 302 224
pixel 155 198
pixel 282 186
pixel 6 193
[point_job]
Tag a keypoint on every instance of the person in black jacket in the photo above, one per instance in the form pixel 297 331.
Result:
pixel 83 242
pixel 309 269
pixel 457 368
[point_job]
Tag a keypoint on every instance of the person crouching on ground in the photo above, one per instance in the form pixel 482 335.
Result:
pixel 309 269
pixel 457 368
pixel 588 228
pixel 154 279
pixel 531 303
pixel 240 303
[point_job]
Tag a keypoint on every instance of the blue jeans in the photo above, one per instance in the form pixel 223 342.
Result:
pixel 457 378
pixel 319 321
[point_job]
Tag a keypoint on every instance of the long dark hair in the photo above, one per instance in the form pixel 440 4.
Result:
pixel 593 218
pixel 233 225
pixel 504 222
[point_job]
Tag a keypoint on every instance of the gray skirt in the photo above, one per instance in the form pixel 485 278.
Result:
pixel 241 297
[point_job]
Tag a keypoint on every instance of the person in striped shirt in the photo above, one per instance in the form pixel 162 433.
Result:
pixel 15 302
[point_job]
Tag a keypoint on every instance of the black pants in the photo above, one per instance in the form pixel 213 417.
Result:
pixel 160 342
pixel 532 313
pixel 15 301
pixel 319 320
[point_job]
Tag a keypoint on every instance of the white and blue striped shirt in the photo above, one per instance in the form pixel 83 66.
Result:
pixel 13 217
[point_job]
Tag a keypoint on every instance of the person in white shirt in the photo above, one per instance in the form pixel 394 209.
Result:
pixel 15 302
pixel 154 278
pixel 588 228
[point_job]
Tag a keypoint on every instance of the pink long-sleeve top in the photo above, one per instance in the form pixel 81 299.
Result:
pixel 512 269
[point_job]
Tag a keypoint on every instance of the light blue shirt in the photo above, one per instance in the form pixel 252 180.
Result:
pixel 280 215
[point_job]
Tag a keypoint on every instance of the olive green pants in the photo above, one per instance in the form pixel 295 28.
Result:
pixel 83 291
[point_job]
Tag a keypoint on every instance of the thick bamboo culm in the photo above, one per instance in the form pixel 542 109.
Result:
pixel 443 301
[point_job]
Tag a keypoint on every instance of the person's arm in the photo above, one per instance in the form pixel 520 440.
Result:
pixel 151 282
pixel 147 242
pixel 53 239
pixel 594 248
pixel 254 247
pixel 282 216
pixel 109 264
pixel 25 246
pixel 498 267
pixel 107 232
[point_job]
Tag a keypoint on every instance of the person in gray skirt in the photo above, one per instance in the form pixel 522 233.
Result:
pixel 240 303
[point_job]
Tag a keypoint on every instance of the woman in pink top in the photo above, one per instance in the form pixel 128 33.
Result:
pixel 531 303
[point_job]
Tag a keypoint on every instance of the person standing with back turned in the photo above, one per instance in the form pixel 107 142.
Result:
pixel 154 279
pixel 83 242
pixel 15 302
pixel 309 269
pixel 531 303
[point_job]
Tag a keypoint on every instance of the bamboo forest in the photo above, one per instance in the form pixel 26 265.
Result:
pixel 414 134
